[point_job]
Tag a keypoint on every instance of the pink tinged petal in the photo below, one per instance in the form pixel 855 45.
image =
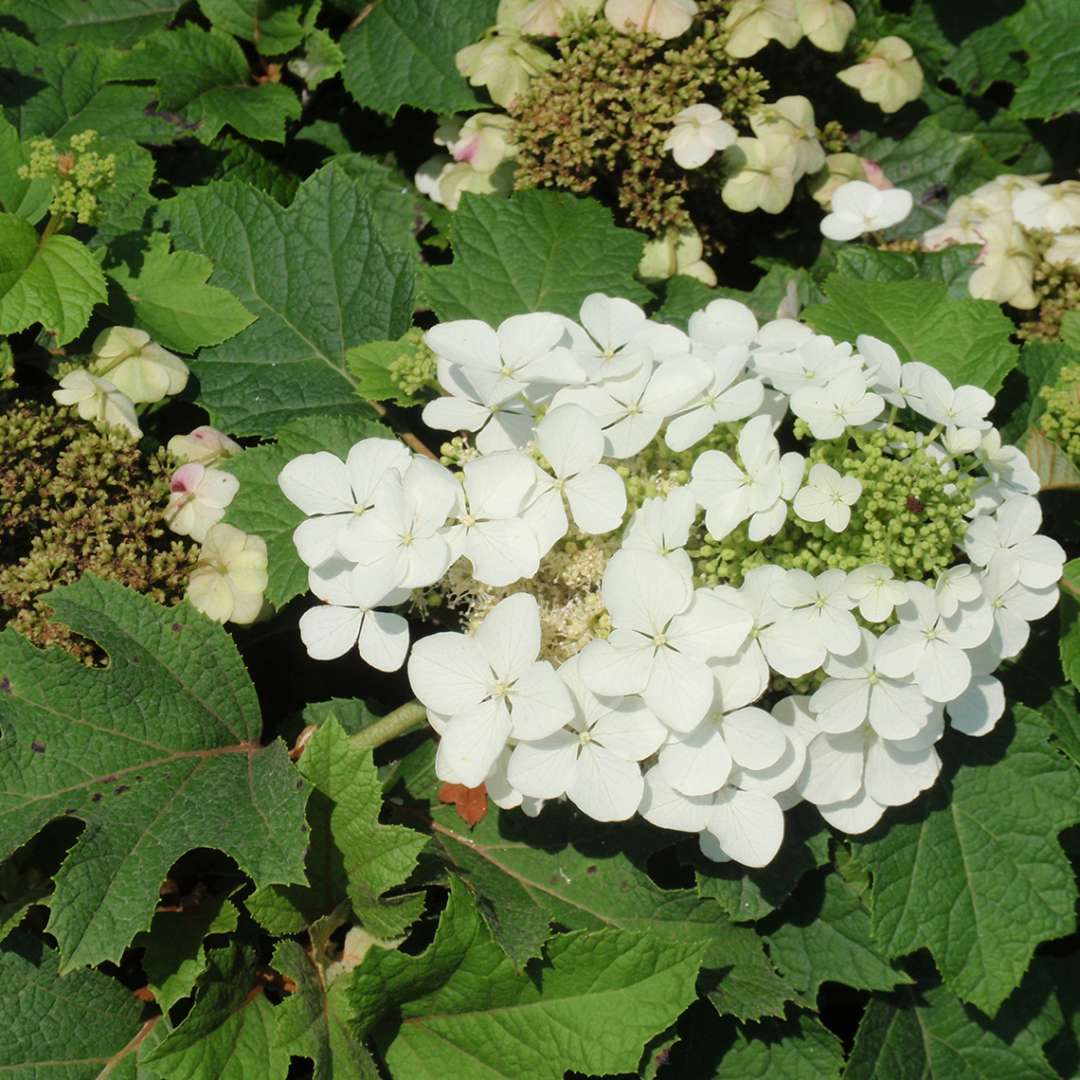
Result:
pixel 384 640
pixel 841 705
pixel 643 591
pixel 502 551
pixel 469 343
pixel 317 484
pixel 854 815
pixel 615 668
pixel 710 628
pixel 369 462
pixel 629 731
pixel 448 672
pixel 834 768
pixel 597 499
pixel 605 786
pixel 455 414
pixel 544 768
pixel 895 777
pixel 755 739
pixel 697 763
pixel 509 636
pixel 315 538
pixel 748 825
pixel 679 690
pixel 571 440
pixel 899 651
pixel 329 632
pixel 978 709
pixel 943 671
pixel 667 809
pixel 540 703
pixel 188 477
pixel 473 739
pixel 897 710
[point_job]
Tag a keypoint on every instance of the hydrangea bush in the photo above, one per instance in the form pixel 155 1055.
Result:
pixel 599 602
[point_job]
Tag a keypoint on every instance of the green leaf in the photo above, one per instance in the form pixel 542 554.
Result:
pixel 259 506
pixel 56 282
pixel 1070 329
pixel 398 209
pixel 315 1020
pixel 320 279
pixel 798 1049
pixel 461 1009
pixel 229 1033
pixel 27 199
pixel 1049 32
pixel 1070 622
pixel 120 23
pixel 125 205
pixel 322 59
pixel 173 953
pixel 171 300
pixel 1040 364
pixel 151 783
pixel 273 26
pixel 952 266
pixel 403 54
pixel 934 1036
pixel 536 251
pixel 985 57
pixel 1064 717
pixel 204 76
pixel 966 340
pixel 975 872
pixel 826 937
pixel 72 1028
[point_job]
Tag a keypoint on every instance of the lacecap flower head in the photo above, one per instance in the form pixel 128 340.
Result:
pixel 700 576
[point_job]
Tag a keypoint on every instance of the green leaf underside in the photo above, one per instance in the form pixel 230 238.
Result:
pixel 157 753
pixel 536 251
pixel 55 283
pixel 403 54
pixel 261 508
pixel 976 873
pixel 316 1021
pixel 319 278
pixel 70 1028
pixel 204 76
pixel 229 1033
pixel 171 300
pixel 353 855
pixel 462 1009
pixel 966 340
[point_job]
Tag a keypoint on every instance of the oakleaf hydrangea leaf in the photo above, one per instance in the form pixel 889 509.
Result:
pixel 462 1009
pixel 204 76
pixel 157 753
pixel 966 340
pixel 403 54
pixel 798 1049
pixel 319 278
pixel 120 23
pixel 229 1033
pixel 27 199
pixel 260 507
pixel 171 300
pixel 71 1027
pixel 1049 32
pixel 975 873
pixel 537 251
pixel 273 26
pixel 55 283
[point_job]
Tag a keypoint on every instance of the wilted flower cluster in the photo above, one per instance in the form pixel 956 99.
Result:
pixel 796 559
pixel 654 101
pixel 1028 232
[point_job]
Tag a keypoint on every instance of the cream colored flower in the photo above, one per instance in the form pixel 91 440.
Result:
pixel 1006 270
pixel 765 174
pixel 198 498
pixel 504 62
pixel 839 169
pixel 676 253
pixel 826 23
pixel 98 399
pixel 1064 250
pixel 961 225
pixel 145 372
pixel 1055 207
pixel 752 24
pixel 230 577
pixel 205 444
pixel 482 159
pixel 889 77
pixel 543 18
pixel 664 18
pixel 792 117
pixel 698 132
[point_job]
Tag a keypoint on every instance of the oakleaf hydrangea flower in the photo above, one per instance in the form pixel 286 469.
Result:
pixel 198 499
pixel 859 207
pixel 98 399
pixel 229 580
pixel 699 131
pixel 888 77
pixel 136 366
pixel 664 18
pixel 698 576
pixel 205 444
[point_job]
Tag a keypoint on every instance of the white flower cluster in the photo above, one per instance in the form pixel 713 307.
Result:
pixel 1002 217
pixel 679 705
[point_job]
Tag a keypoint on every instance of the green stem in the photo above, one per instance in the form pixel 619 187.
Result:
pixel 393 725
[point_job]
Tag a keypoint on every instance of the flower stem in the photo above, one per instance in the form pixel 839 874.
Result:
pixel 394 724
